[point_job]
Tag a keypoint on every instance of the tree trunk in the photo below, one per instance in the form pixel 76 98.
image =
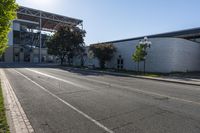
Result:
pixel 68 60
pixel 61 61
pixel 82 62
pixel 144 66
pixel 102 64
pixel 138 65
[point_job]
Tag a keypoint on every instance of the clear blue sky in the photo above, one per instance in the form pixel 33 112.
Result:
pixel 107 20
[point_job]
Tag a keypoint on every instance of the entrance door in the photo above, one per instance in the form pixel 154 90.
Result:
pixel 120 63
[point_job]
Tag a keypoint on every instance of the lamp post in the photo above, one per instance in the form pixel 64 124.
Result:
pixel 146 44
pixel 91 56
pixel 83 58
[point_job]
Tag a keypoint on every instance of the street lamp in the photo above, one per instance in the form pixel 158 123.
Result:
pixel 91 57
pixel 146 44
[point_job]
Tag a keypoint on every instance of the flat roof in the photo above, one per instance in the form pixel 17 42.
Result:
pixel 186 33
pixel 48 20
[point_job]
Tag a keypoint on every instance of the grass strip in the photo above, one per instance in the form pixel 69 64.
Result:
pixel 4 128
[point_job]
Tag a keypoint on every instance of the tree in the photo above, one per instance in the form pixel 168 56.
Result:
pixel 66 42
pixel 104 52
pixel 139 54
pixel 7 14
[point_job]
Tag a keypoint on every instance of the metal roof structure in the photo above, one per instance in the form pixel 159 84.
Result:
pixel 44 21
pixel 48 20
pixel 186 34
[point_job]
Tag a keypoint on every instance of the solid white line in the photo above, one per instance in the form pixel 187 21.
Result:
pixel 118 86
pixel 66 81
pixel 19 122
pixel 89 79
pixel 68 104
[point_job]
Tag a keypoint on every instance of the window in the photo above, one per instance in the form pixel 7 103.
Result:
pixel 16 37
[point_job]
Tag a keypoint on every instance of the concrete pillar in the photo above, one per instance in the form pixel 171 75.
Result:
pixel 9 54
pixel 21 57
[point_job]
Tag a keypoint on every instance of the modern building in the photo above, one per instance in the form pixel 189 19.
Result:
pixel 29 33
pixel 177 51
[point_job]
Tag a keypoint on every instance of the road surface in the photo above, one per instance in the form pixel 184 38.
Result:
pixel 63 100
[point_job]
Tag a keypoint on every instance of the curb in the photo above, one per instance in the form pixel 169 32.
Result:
pixel 17 119
pixel 166 80
pixel 140 77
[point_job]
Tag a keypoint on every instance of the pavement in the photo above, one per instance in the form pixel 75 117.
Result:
pixel 57 100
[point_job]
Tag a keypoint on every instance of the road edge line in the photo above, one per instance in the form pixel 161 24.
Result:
pixel 17 119
pixel 68 104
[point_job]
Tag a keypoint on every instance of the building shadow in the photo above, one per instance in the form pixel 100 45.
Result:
pixel 75 70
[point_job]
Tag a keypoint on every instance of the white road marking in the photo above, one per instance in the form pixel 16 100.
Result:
pixel 18 120
pixel 98 81
pixel 68 104
pixel 73 75
pixel 66 81
pixel 59 79
pixel 118 86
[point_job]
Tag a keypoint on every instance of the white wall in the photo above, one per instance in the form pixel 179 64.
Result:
pixel 10 36
pixel 165 55
pixel 9 54
pixel 16 26
pixel 9 51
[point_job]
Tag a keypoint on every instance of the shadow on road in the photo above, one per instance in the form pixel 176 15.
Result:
pixel 78 71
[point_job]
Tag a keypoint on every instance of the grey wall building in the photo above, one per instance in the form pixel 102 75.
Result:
pixel 170 52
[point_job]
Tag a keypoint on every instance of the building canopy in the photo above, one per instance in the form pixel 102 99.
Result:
pixel 49 21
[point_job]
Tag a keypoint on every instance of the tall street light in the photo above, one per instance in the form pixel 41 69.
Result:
pixel 91 57
pixel 146 44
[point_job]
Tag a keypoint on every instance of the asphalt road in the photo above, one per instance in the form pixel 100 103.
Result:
pixel 58 100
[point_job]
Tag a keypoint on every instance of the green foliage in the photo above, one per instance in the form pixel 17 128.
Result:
pixel 104 52
pixel 7 14
pixel 67 41
pixel 3 123
pixel 139 54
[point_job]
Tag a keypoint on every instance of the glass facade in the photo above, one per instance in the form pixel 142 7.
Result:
pixel 26 43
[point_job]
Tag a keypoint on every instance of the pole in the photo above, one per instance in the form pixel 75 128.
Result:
pixel 144 65
pixel 40 52
pixel 145 49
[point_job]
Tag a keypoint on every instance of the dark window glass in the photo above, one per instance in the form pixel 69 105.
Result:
pixel 16 37
pixel 122 61
pixel 118 61
pixel 21 50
